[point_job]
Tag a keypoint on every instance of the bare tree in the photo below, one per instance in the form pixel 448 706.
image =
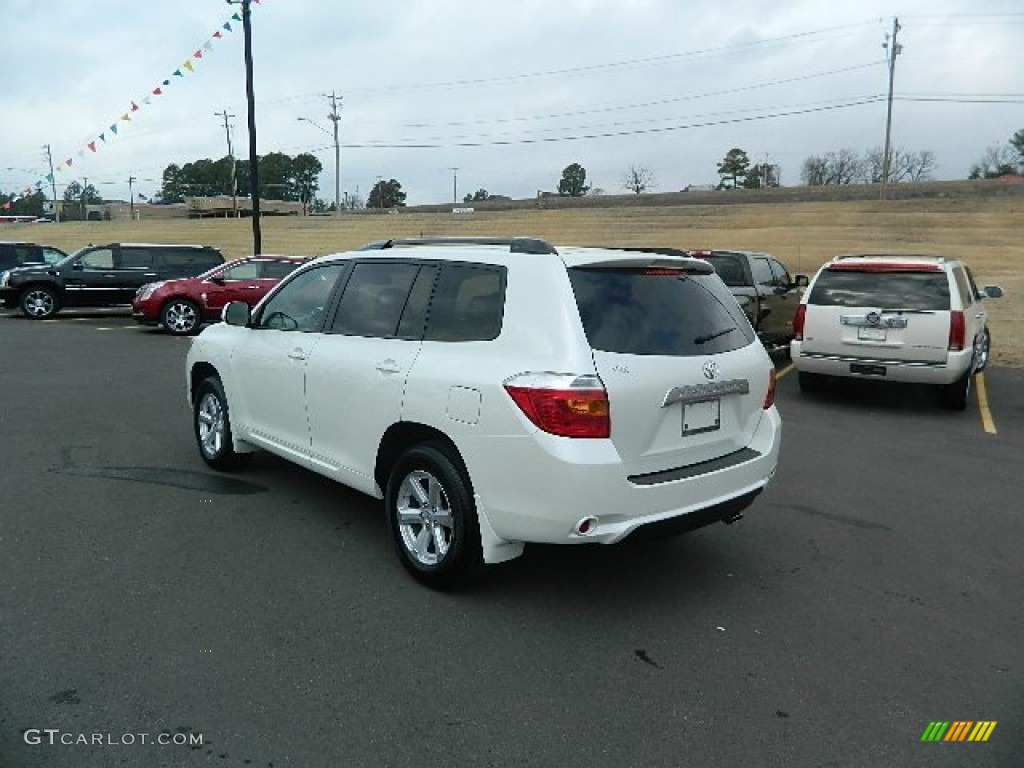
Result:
pixel 998 160
pixel 814 171
pixel 844 167
pixel 638 179
pixel 921 166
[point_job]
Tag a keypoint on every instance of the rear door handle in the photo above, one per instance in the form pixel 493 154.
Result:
pixel 297 354
pixel 388 366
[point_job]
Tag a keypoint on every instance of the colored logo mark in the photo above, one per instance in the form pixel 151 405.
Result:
pixel 959 730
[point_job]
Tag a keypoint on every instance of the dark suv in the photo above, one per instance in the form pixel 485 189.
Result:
pixel 18 253
pixel 101 276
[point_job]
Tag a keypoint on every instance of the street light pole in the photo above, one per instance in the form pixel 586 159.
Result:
pixel 455 185
pixel 254 175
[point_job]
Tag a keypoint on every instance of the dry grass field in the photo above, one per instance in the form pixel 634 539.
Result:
pixel 987 233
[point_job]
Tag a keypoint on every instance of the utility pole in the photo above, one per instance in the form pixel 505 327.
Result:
pixel 53 184
pixel 85 186
pixel 250 97
pixel 335 118
pixel 894 49
pixel 455 185
pixel 231 154
pixel 131 198
pixel 380 193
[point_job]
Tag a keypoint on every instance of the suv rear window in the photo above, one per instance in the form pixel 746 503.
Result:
pixel 928 290
pixel 630 311
pixel 193 259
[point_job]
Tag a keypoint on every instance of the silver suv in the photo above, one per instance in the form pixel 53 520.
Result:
pixel 497 391
pixel 900 318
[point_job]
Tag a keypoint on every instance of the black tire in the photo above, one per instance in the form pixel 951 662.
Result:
pixel 439 544
pixel 954 396
pixel 181 317
pixel 811 382
pixel 211 421
pixel 39 302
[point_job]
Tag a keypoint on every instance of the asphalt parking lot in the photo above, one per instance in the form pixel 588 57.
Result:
pixel 262 619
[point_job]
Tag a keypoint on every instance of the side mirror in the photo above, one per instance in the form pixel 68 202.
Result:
pixel 801 281
pixel 991 292
pixel 217 280
pixel 236 313
pixel 77 265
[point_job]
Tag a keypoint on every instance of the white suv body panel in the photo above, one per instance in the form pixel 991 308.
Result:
pixel 325 401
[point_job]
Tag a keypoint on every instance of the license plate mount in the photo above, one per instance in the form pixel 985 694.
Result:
pixel 871 334
pixel 702 416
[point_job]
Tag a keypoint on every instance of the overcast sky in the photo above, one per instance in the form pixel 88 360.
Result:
pixel 510 93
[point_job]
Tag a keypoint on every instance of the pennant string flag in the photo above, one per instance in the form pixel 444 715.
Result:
pixel 157 91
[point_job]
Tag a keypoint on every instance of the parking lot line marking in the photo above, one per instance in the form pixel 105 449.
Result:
pixel 987 422
pixel 783 372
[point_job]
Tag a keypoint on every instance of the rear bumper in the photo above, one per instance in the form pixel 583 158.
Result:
pixel 887 369
pixel 539 497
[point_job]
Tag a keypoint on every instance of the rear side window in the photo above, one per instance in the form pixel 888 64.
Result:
pixel 275 270
pixel 249 270
pixel 729 267
pixel 192 261
pixel 136 258
pixel 656 314
pixel 374 298
pixel 888 290
pixel 468 305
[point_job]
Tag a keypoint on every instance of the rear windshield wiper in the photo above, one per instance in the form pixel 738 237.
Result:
pixel 710 336
pixel 908 311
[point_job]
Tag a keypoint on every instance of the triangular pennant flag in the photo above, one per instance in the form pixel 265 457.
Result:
pixel 157 92
pixel 135 107
pixel 236 17
pixel 126 118
pixel 207 46
pixel 217 34
pixel 60 168
pixel 166 82
pixel 178 73
pixel 92 145
pixel 103 138
pixel 49 177
pixel 188 65
pixel 68 162
pixel 113 128
pixel 146 99
pixel 198 54
pixel 227 26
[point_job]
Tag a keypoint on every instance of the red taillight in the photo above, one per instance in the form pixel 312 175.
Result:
pixel 769 398
pixel 957 330
pixel 798 321
pixel 553 405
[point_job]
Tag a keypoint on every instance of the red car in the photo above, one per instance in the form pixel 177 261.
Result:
pixel 182 306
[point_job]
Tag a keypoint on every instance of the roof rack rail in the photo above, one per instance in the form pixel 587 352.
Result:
pixel 515 244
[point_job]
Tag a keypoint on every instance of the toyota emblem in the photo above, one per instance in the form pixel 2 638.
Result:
pixel 873 318
pixel 710 369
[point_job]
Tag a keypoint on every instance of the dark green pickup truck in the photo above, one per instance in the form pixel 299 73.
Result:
pixel 763 288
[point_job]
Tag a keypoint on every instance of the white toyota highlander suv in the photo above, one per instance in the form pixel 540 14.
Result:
pixel 901 318
pixel 497 391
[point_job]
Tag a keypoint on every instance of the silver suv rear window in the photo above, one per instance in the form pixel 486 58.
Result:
pixel 928 290
pixel 658 312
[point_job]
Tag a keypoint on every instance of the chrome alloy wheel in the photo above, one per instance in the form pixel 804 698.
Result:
pixel 180 317
pixel 425 518
pixel 39 303
pixel 211 425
